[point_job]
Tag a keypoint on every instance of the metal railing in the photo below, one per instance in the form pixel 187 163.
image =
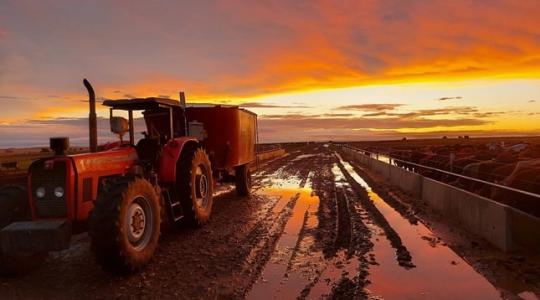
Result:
pixel 390 160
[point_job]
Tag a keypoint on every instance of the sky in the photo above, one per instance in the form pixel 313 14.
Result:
pixel 311 70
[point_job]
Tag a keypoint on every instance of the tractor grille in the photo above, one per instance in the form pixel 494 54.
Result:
pixel 49 177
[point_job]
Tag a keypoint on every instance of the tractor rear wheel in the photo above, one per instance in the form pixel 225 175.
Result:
pixel 125 224
pixel 243 180
pixel 195 185
pixel 13 208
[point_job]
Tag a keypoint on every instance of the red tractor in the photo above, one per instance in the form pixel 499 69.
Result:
pixel 123 193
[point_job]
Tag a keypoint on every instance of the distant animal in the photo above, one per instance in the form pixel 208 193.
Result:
pixel 526 177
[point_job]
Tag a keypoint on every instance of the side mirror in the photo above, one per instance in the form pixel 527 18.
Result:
pixel 119 126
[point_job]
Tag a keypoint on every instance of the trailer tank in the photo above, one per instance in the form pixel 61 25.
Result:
pixel 229 133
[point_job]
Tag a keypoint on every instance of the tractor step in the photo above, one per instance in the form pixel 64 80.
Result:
pixel 176 213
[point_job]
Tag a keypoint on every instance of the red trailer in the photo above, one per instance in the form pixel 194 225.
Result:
pixel 229 134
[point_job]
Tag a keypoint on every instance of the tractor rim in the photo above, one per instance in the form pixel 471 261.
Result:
pixel 201 186
pixel 139 223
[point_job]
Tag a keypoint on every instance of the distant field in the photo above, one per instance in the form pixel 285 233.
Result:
pixel 14 163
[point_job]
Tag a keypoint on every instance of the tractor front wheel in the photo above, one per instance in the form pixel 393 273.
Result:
pixel 125 224
pixel 195 185
pixel 243 180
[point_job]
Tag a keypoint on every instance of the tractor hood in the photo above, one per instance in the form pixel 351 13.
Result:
pixel 113 161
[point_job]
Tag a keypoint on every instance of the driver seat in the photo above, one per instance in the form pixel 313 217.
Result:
pixel 148 149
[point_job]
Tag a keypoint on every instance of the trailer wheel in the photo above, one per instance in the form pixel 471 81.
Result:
pixel 13 208
pixel 195 185
pixel 125 225
pixel 243 180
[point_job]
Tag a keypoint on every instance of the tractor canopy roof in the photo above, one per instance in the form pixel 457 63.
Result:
pixel 141 103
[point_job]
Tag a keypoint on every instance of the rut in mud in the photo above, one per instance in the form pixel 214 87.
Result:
pixel 316 226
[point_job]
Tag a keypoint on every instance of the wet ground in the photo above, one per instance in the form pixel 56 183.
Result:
pixel 317 226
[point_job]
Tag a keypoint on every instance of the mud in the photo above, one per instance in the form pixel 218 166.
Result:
pixel 317 226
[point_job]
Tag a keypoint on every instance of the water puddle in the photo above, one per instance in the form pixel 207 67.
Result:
pixel 341 266
pixel 221 189
pixel 278 279
pixel 303 156
pixel 439 273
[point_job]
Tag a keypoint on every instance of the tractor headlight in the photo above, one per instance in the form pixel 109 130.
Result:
pixel 40 192
pixel 59 191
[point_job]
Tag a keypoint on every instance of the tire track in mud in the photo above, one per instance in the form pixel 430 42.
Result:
pixel 257 257
pixel 282 275
pixel 269 231
pixel 324 187
pixel 353 280
pixel 344 274
pixel 403 255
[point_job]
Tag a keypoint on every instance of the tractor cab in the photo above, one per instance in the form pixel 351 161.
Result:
pixel 164 118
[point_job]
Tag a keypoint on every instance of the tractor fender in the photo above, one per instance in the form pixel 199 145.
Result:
pixel 170 156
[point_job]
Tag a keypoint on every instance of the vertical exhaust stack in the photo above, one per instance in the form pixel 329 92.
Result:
pixel 183 105
pixel 92 118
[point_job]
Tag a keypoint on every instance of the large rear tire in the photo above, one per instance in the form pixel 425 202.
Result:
pixel 14 208
pixel 125 225
pixel 195 185
pixel 243 180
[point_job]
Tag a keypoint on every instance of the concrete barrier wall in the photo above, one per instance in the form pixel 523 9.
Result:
pixel 381 168
pixel 407 181
pixel 482 216
pixel 501 225
pixel 525 229
pixel 476 214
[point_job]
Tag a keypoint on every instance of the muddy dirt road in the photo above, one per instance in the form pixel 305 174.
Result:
pixel 317 226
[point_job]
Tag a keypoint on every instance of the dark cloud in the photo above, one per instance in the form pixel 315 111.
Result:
pixel 532 101
pixel 337 115
pixel 371 106
pixel 287 116
pixel 489 114
pixel 9 98
pixel 298 116
pixel 459 110
pixel 449 98
pixel 380 113
pixel 269 105
pixel 98 99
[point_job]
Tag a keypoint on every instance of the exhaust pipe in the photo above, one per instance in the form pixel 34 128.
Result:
pixel 92 118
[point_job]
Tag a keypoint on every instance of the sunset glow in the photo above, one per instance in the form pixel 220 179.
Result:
pixel 454 67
